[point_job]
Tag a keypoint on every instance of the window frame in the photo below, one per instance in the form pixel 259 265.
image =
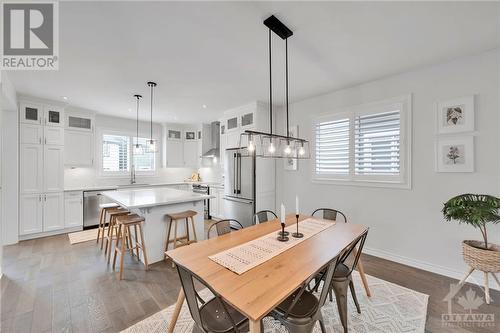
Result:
pixel 403 180
pixel 121 174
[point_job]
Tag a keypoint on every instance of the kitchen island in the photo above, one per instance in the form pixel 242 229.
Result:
pixel 153 204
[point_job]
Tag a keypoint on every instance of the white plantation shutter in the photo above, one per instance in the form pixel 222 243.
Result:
pixel 115 153
pixel 332 147
pixel 366 144
pixel 377 144
pixel 146 161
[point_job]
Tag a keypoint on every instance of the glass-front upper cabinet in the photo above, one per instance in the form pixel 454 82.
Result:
pixel 30 113
pixel 80 122
pixel 53 116
pixel 232 123
pixel 247 120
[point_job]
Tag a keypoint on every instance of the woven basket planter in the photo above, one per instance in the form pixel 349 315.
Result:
pixel 481 259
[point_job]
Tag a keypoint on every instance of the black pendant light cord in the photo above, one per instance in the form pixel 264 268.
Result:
pixel 137 119
pixel 151 134
pixel 286 87
pixel 270 85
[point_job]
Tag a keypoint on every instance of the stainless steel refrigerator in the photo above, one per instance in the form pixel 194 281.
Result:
pixel 239 187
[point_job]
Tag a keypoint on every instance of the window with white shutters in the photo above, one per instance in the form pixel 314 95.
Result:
pixel 376 143
pixel 115 153
pixel 117 156
pixel 365 145
pixel 332 147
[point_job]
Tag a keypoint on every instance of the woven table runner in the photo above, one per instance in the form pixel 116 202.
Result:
pixel 246 256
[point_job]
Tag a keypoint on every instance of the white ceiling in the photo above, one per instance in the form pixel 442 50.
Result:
pixel 215 53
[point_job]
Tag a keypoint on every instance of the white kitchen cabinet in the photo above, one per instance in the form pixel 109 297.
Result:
pixel 78 149
pixel 232 139
pixel 79 121
pixel 30 214
pixel 30 113
pixel 191 155
pixel 175 153
pixel 73 209
pixel 31 168
pixel 31 134
pixel 53 135
pixel 53 116
pixel 217 203
pixel 53 169
pixel 53 211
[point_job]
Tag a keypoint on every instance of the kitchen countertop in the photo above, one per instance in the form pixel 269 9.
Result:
pixel 142 198
pixel 135 186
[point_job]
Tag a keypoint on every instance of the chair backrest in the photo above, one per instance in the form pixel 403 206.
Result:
pixel 263 216
pixel 328 270
pixel 350 255
pixel 329 214
pixel 187 281
pixel 223 227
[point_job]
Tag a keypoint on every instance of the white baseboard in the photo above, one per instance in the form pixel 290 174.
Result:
pixel 477 277
pixel 50 233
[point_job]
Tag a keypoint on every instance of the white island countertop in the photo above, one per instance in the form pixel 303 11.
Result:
pixel 152 197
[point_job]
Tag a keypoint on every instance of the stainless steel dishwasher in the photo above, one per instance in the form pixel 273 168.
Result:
pixel 91 202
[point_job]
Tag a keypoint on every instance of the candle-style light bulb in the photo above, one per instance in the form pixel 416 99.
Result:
pixel 302 151
pixel 288 150
pixel 271 148
pixel 251 146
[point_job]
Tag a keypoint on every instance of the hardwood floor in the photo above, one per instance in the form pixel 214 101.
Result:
pixel 52 286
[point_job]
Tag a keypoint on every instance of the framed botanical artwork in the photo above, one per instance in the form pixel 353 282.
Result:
pixel 456 115
pixel 455 154
pixel 290 164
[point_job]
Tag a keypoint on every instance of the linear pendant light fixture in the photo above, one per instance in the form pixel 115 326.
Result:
pixel 138 148
pixel 272 145
pixel 151 144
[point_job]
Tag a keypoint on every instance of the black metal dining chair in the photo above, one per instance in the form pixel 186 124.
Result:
pixel 342 278
pixel 214 315
pixel 300 311
pixel 263 216
pixel 329 214
pixel 223 227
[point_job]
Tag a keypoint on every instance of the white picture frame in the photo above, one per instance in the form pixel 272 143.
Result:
pixel 455 154
pixel 456 115
pixel 290 164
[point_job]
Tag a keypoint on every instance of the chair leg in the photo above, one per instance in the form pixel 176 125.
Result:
pixel 168 238
pixel 143 247
pixel 116 246
pixel 122 254
pixel 100 225
pixel 496 279
pixel 353 293
pixel 112 230
pixel 321 323
pixel 136 240
pixel 194 230
pixel 340 289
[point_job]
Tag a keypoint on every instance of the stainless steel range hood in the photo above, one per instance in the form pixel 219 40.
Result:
pixel 211 140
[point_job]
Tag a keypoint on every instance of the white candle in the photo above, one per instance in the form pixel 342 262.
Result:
pixel 282 213
pixel 296 205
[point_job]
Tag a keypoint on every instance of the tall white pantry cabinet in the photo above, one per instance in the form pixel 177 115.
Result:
pixel 41 152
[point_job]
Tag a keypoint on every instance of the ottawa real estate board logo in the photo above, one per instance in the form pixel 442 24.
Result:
pixel 30 35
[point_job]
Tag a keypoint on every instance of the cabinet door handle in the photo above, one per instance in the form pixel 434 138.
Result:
pixel 45 197
pixel 40 198
pixel 40 140
pixel 45 140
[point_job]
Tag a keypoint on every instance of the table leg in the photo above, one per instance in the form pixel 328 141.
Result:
pixel 255 326
pixel 361 271
pixel 177 310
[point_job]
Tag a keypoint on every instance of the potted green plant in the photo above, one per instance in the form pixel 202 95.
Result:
pixel 477 210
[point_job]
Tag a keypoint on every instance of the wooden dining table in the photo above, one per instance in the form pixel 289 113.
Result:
pixel 259 290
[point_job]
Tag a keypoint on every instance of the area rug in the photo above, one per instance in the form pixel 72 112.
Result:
pixel 83 236
pixel 391 308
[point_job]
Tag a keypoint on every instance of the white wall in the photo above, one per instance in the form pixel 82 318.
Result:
pixel 9 163
pixel 407 225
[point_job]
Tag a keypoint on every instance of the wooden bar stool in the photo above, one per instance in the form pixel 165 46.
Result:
pixel 124 240
pixel 102 220
pixel 112 230
pixel 183 240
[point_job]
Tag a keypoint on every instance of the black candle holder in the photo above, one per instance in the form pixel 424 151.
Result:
pixel 297 234
pixel 282 234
